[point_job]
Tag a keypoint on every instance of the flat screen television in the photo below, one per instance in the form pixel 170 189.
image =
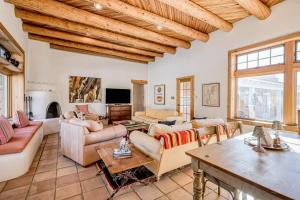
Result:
pixel 117 96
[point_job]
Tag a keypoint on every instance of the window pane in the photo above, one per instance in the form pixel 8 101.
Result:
pixel 242 66
pixel 252 56
pixel 277 60
pixel 264 54
pixel 241 59
pixel 261 97
pixel 252 64
pixel 264 62
pixel 3 95
pixel 298 51
pixel 277 51
pixel 298 93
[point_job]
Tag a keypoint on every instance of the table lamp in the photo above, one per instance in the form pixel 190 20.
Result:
pixel 259 133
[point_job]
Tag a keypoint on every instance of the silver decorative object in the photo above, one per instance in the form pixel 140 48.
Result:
pixel 259 133
pixel 124 150
pixel 276 127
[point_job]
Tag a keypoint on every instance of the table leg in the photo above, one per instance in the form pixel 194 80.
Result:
pixel 198 181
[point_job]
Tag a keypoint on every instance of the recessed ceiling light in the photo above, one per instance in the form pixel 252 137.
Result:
pixel 98 6
pixel 159 27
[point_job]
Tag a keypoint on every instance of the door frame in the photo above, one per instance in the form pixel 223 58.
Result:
pixel 192 80
pixel 139 82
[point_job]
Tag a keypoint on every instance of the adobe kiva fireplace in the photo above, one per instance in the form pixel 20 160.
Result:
pixel 53 110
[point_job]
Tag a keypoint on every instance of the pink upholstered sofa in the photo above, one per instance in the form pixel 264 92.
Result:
pixel 17 155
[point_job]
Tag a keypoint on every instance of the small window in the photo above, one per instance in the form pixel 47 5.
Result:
pixel 298 51
pixel 262 58
pixel 3 95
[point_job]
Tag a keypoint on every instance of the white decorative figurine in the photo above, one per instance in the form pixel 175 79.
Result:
pixel 123 150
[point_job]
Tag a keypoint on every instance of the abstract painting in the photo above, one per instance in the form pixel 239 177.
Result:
pixel 84 89
pixel 159 94
pixel 211 94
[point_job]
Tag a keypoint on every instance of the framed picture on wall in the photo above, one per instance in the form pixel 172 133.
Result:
pixel 159 94
pixel 211 94
pixel 84 89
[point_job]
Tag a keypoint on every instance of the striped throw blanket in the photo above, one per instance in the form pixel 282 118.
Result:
pixel 177 138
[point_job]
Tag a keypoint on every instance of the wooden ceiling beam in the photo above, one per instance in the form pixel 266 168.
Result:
pixel 91 31
pixel 84 40
pixel 190 8
pixel 256 8
pixel 152 18
pixel 74 50
pixel 91 48
pixel 64 11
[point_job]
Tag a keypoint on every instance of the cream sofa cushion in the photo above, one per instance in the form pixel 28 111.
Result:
pixel 162 128
pixel 199 123
pixel 147 144
pixel 160 114
pixel 91 125
pixel 105 134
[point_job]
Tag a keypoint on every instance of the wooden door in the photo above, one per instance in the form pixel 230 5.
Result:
pixel 185 97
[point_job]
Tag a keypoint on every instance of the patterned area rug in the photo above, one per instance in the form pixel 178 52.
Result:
pixel 126 178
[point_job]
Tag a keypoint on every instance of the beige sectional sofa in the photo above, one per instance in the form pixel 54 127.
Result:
pixel 165 160
pixel 154 115
pixel 79 144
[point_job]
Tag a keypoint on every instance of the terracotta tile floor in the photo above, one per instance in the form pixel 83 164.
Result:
pixel 53 176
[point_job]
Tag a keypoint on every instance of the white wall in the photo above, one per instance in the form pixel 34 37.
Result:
pixel 12 24
pixel 49 69
pixel 209 62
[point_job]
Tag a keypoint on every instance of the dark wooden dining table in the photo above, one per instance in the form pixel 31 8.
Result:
pixel 269 176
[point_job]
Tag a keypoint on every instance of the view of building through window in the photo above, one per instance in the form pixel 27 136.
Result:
pixel 3 95
pixel 261 97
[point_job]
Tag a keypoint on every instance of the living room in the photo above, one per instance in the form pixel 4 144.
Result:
pixel 170 83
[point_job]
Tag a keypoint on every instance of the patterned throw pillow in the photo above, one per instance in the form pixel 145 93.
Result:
pixel 6 130
pixel 83 108
pixel 20 119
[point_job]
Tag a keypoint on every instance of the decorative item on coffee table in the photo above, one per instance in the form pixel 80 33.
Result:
pixel 123 173
pixel 123 151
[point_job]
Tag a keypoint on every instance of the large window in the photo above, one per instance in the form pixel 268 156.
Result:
pixel 261 97
pixel 261 58
pixel 3 95
pixel 264 81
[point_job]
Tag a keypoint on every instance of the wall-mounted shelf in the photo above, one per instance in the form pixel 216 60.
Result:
pixel 16 51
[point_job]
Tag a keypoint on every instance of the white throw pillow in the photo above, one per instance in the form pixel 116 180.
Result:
pixel 91 125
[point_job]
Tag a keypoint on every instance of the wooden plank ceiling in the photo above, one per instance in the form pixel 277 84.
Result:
pixel 134 30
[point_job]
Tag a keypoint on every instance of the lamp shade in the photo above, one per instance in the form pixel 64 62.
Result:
pixel 258 131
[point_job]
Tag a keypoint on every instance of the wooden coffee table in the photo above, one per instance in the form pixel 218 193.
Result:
pixel 122 167
pixel 132 125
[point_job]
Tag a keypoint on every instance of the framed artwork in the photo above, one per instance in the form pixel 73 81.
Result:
pixel 84 89
pixel 211 94
pixel 159 94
